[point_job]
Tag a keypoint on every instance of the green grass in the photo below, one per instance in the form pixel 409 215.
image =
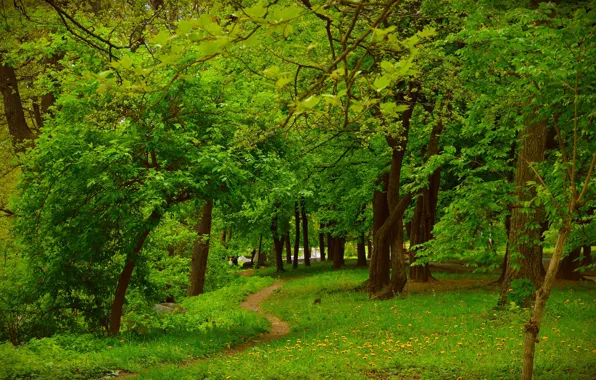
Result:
pixel 429 335
pixel 212 322
pixel 317 267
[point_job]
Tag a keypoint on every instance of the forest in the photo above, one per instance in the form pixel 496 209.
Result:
pixel 299 189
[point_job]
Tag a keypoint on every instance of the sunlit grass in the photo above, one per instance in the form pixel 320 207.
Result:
pixel 431 335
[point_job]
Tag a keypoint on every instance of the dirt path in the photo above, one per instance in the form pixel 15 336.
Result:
pixel 253 302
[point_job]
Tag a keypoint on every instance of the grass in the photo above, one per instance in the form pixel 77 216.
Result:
pixel 212 322
pixel 436 332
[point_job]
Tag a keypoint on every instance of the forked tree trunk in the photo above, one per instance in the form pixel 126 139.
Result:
pixel 533 327
pixel 361 251
pixel 525 253
pixel 338 255
pixel 288 248
pixel 379 263
pixel 13 107
pixel 125 276
pixel 296 236
pixel 425 210
pixel 305 233
pixel 322 244
pixel 200 251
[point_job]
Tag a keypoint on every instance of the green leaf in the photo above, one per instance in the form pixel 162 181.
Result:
pixel 161 38
pixel 382 82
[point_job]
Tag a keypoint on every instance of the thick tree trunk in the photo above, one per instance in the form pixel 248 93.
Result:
pixel 361 251
pixel 322 244
pixel 125 276
pixel 525 254
pixel 200 251
pixel 533 327
pixel 379 263
pixel 297 235
pixel 338 255
pixel 13 107
pixel 305 233
pixel 569 265
pixel 288 248
pixel 425 210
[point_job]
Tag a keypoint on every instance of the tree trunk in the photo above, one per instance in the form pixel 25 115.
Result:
pixel 296 236
pixel 261 259
pixel 506 257
pixel 525 231
pixel 200 251
pixel 533 327
pixel 379 263
pixel 587 259
pixel 288 248
pixel 330 245
pixel 278 244
pixel 425 210
pixel 13 107
pixel 361 251
pixel 369 253
pixel 569 265
pixel 322 244
pixel 305 233
pixel 125 276
pixel 338 255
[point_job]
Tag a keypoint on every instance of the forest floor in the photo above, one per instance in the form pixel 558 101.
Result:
pixel 445 329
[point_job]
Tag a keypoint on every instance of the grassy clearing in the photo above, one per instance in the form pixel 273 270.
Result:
pixel 212 322
pixel 440 333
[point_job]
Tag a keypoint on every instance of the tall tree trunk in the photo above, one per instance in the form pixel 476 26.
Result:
pixel 288 248
pixel 379 263
pixel 125 276
pixel 361 251
pixel 370 248
pixel 261 257
pixel 277 242
pixel 200 251
pixel 305 233
pixel 425 210
pixel 322 243
pixel 525 254
pixel 330 245
pixel 506 257
pixel 533 327
pixel 13 107
pixel 338 255
pixel 568 269
pixel 297 235
pixel 587 259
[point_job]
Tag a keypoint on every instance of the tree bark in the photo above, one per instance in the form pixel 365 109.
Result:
pixel 569 265
pixel 587 259
pixel 525 231
pixel 338 255
pixel 533 327
pixel 322 243
pixel 125 276
pixel 330 245
pixel 261 259
pixel 305 233
pixel 277 242
pixel 288 248
pixel 13 107
pixel 200 251
pixel 425 210
pixel 370 248
pixel 361 251
pixel 296 236
pixel 379 262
